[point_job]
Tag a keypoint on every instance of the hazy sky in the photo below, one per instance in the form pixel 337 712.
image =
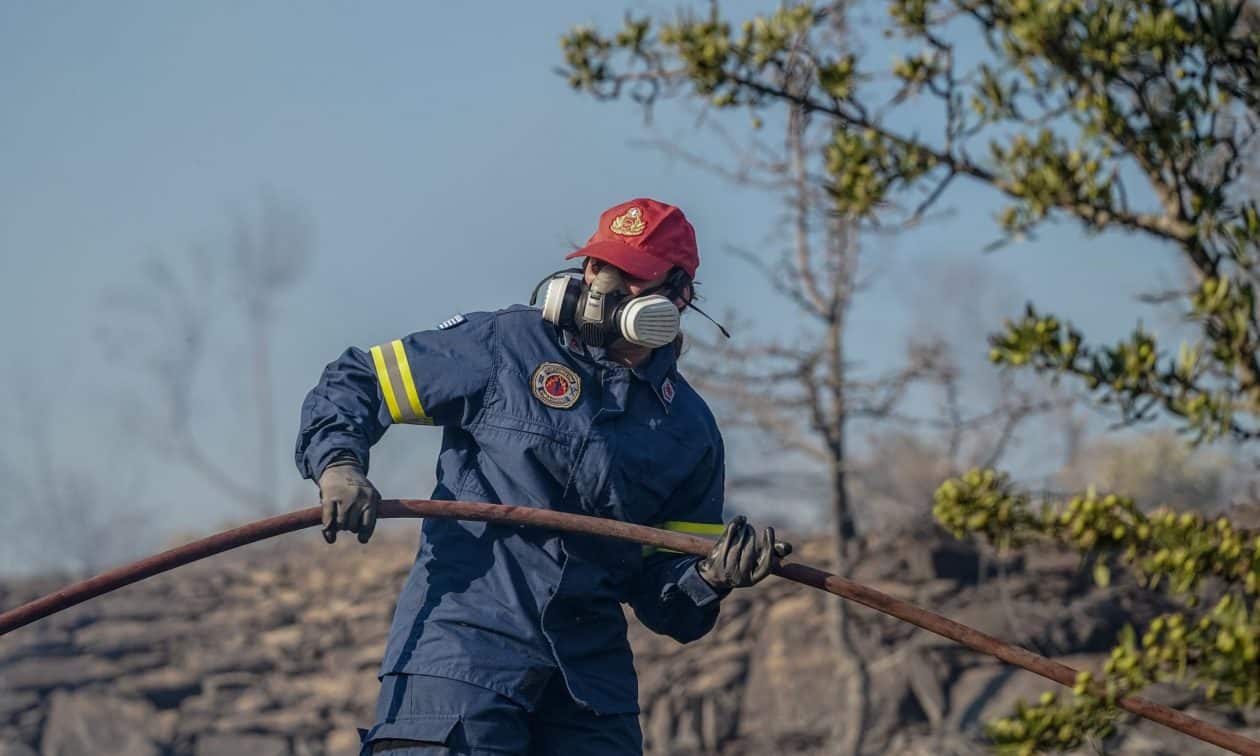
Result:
pixel 446 168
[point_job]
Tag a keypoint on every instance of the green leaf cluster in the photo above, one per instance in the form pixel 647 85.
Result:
pixel 1179 549
pixel 1051 725
pixel 705 53
pixel 1198 386
pixel 1044 173
pixel 1217 650
pixel 866 168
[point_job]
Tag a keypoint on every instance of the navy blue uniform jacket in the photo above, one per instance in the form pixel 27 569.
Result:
pixel 532 417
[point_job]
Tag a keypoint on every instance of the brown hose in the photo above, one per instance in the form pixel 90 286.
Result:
pixel 503 513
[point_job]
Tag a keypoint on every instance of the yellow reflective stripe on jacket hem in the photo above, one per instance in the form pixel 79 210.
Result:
pixel 693 528
pixel 394 375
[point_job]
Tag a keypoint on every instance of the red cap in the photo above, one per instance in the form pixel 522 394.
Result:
pixel 645 238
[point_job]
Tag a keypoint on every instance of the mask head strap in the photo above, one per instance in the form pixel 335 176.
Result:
pixel 533 298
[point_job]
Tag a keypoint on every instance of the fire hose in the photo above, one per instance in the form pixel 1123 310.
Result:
pixel 673 541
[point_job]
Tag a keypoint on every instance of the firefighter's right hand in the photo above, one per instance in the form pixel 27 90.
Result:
pixel 349 500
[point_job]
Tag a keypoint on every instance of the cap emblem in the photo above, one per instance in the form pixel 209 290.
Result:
pixel 630 224
pixel 556 385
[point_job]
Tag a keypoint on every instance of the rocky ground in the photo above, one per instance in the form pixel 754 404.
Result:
pixel 269 652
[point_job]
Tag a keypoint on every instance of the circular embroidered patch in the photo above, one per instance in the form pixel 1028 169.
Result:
pixel 556 385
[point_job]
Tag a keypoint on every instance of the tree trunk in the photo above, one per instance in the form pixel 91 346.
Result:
pixel 850 732
pixel 264 407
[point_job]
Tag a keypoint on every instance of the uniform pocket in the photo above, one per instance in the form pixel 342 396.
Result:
pixel 428 729
pixel 447 716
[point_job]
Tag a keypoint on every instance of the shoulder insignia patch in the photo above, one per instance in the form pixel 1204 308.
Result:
pixel 452 322
pixel 556 385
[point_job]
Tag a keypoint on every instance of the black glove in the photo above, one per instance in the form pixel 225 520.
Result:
pixel 349 499
pixel 741 558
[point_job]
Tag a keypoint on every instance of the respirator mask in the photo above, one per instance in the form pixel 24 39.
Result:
pixel 604 311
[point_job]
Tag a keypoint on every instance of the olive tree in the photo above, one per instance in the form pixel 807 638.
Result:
pixel 1122 116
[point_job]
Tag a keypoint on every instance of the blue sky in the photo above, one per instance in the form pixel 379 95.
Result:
pixel 445 165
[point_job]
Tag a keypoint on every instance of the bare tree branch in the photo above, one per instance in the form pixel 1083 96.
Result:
pixel 165 324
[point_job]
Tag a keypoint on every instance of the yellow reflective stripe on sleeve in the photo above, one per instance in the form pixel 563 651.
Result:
pixel 694 528
pixel 409 385
pixel 397 386
pixel 387 388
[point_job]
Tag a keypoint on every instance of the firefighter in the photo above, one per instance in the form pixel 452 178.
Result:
pixel 510 640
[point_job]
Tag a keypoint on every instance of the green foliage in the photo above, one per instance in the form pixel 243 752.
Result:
pixel 1045 173
pixel 865 168
pixel 1051 725
pixel 1133 375
pixel 1178 549
pixel 717 62
pixel 1217 651
pixel 984 502
pixel 836 76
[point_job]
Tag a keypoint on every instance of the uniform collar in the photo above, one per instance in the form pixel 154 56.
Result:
pixel 659 365
pixel 570 342
pixel 659 371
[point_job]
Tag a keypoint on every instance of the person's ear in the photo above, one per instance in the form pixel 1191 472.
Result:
pixel 679 287
pixel 683 291
pixel 682 297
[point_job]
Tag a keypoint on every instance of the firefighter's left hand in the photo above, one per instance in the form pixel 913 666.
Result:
pixel 349 500
pixel 741 557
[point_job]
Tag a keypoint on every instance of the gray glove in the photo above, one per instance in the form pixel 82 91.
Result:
pixel 349 500
pixel 741 558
